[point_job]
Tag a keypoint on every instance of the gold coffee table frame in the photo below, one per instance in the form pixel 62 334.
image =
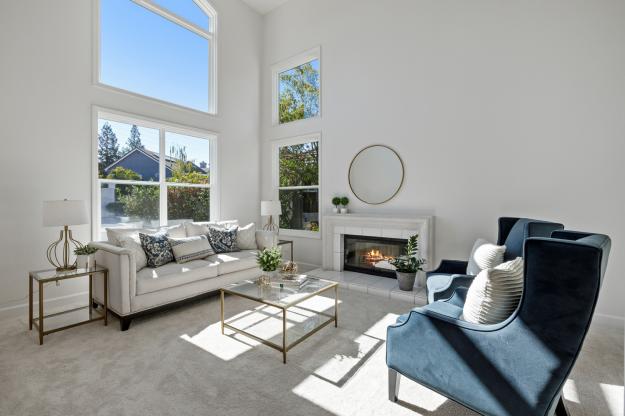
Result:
pixel 284 348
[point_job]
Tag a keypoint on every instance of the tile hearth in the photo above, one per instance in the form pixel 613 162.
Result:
pixel 375 285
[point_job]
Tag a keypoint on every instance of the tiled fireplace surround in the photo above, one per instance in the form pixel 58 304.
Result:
pixel 336 226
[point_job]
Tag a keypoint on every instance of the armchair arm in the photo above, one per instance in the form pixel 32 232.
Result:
pixel 457 281
pixel 122 274
pixel 450 267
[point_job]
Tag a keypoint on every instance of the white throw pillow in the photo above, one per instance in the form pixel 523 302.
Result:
pixel 484 255
pixel 266 239
pixel 114 234
pixel 246 237
pixel 201 228
pixel 190 248
pixel 495 293
pixel 133 243
pixel 175 231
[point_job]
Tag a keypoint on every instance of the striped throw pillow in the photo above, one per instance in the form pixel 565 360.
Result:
pixel 495 293
pixel 190 248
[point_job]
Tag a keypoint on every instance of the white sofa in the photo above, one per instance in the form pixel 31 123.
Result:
pixel 133 293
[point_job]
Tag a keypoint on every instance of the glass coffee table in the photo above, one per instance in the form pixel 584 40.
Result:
pixel 283 297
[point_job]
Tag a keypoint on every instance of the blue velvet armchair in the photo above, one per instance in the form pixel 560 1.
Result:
pixel 452 274
pixel 519 366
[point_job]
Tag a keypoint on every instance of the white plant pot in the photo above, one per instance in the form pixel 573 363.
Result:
pixel 335 210
pixel 343 210
pixel 85 261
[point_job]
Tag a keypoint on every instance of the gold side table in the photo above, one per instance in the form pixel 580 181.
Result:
pixel 46 276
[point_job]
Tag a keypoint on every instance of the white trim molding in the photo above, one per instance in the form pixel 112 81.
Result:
pixel 290 63
pixel 209 34
pixel 338 225
pixel 275 179
pixel 163 127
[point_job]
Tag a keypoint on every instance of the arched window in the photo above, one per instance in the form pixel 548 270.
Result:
pixel 162 49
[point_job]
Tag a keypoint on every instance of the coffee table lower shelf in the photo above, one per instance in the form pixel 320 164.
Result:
pixel 284 348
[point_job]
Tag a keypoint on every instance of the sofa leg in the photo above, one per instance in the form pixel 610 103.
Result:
pixel 560 409
pixel 393 384
pixel 124 323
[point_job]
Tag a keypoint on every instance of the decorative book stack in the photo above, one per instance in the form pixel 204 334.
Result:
pixel 296 281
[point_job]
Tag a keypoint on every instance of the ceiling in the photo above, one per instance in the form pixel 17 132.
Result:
pixel 264 6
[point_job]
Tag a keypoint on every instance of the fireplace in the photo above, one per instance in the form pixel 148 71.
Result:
pixel 371 255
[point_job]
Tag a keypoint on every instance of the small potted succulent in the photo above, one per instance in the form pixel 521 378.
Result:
pixel 85 257
pixel 336 201
pixel 269 260
pixel 407 265
pixel 344 202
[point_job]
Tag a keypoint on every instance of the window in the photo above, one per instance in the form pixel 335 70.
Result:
pixel 163 49
pixel 297 88
pixel 150 174
pixel 296 170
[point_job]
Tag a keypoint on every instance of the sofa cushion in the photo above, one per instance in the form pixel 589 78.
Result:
pixel 234 262
pixel 174 274
pixel 190 248
pixel 223 240
pixel 157 249
pixel 484 255
pixel 495 293
pixel 201 228
pixel 114 234
pixel 246 237
pixel 133 243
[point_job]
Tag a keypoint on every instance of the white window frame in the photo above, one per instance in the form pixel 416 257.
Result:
pixel 162 127
pixel 277 69
pixel 276 145
pixel 210 35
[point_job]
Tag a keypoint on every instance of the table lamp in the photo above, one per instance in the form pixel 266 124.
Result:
pixel 270 208
pixel 63 213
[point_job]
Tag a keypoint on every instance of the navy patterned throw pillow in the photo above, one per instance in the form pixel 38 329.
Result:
pixel 223 240
pixel 157 249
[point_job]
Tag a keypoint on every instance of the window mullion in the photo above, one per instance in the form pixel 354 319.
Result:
pixel 162 179
pixel 173 17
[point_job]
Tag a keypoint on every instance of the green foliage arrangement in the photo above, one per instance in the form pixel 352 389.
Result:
pixel 409 262
pixel 85 250
pixel 344 201
pixel 336 201
pixel 269 259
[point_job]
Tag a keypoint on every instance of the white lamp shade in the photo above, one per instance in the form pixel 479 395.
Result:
pixel 64 213
pixel 270 208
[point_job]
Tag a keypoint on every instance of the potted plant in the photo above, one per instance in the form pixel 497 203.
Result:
pixel 269 260
pixel 336 201
pixel 344 202
pixel 407 265
pixel 85 257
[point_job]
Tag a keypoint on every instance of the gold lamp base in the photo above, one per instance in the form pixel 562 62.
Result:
pixel 66 239
pixel 271 226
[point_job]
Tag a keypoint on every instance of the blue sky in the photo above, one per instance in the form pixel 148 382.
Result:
pixel 145 53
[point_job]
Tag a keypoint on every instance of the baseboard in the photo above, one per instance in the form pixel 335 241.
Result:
pixel 51 305
pixel 611 321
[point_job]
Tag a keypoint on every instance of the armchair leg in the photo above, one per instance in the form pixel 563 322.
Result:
pixel 393 384
pixel 560 409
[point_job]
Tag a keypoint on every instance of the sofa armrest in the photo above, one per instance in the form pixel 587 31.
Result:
pixel 450 267
pixel 457 281
pixel 121 265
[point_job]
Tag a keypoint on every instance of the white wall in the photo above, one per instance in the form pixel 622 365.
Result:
pixel 46 96
pixel 497 109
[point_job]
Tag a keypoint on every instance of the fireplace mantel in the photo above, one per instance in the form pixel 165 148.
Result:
pixel 374 225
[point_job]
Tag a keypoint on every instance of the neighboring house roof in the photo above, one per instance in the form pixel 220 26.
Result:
pixel 154 156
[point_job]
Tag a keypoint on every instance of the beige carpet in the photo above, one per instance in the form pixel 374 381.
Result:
pixel 178 363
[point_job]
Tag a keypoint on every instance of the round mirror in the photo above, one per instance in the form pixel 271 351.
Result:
pixel 376 174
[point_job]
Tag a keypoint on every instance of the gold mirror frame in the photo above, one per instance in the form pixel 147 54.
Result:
pixel 401 182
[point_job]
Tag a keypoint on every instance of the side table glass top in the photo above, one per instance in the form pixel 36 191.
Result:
pixel 52 274
pixel 279 296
